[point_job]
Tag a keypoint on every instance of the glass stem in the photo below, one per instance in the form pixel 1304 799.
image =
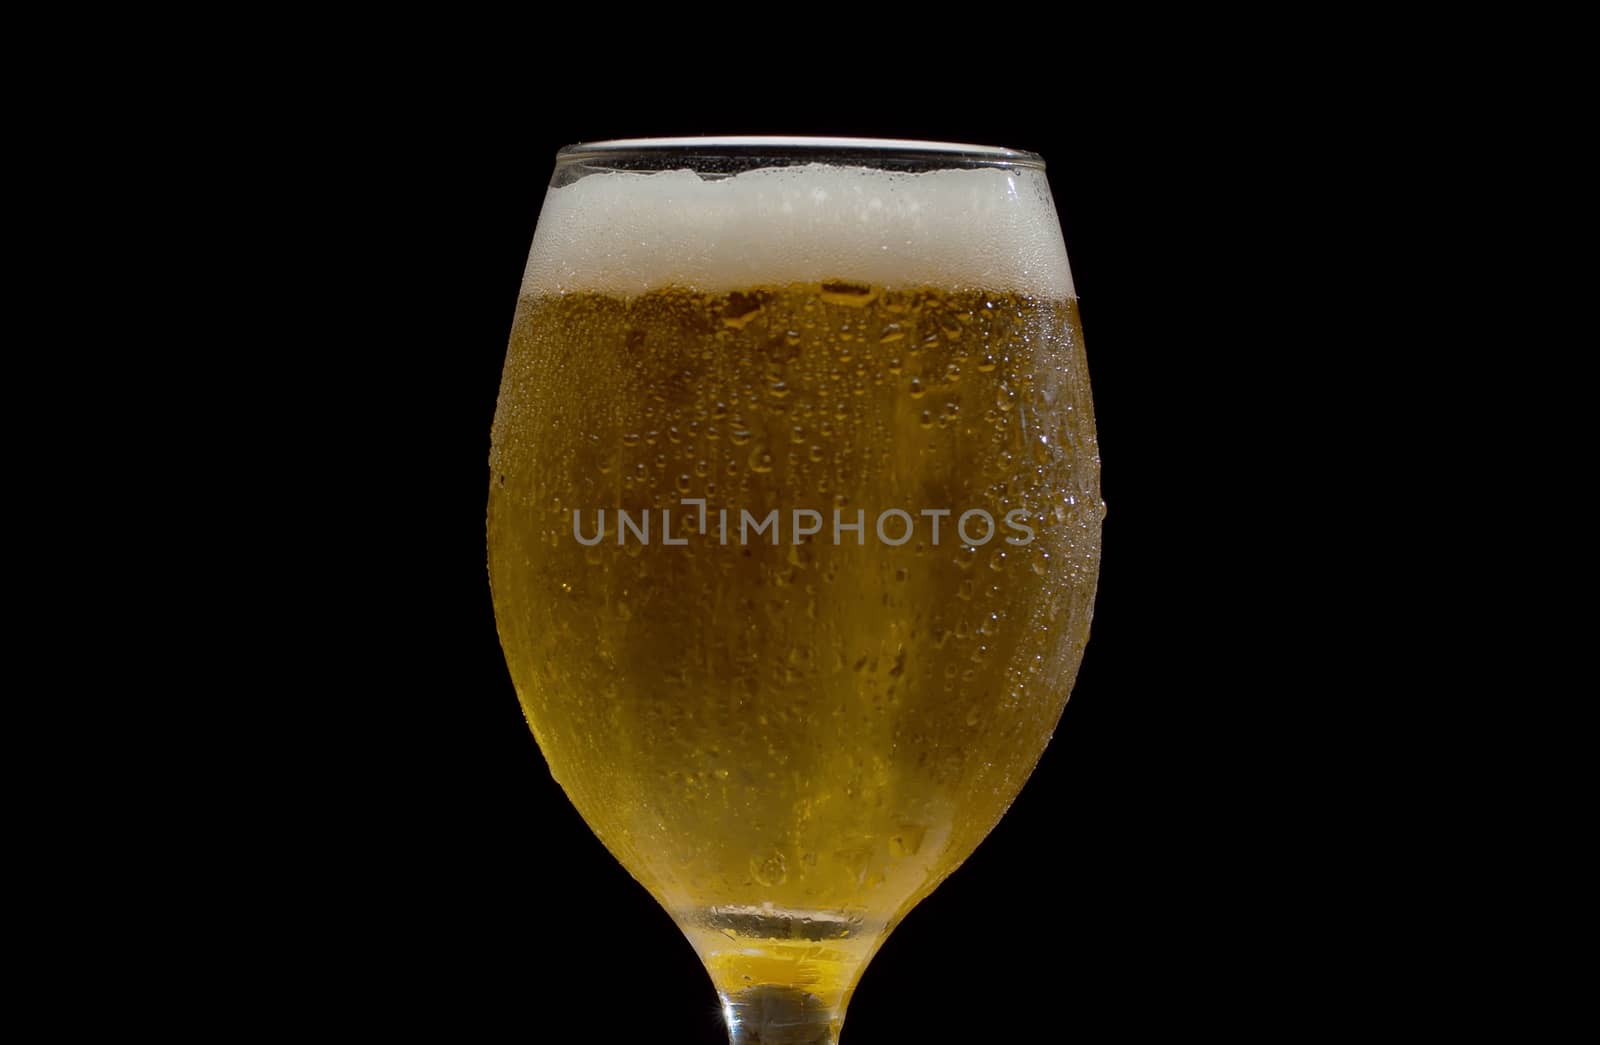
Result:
pixel 773 1015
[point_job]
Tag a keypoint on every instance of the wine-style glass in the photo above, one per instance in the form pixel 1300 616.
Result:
pixel 794 528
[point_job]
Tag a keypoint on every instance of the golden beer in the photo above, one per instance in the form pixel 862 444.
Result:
pixel 793 579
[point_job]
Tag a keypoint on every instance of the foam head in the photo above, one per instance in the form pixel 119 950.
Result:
pixel 963 229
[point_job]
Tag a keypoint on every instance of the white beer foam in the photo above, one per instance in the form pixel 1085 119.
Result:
pixel 627 233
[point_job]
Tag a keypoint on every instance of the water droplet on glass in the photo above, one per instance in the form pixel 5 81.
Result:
pixel 853 295
pixel 769 868
pixel 906 840
pixel 741 309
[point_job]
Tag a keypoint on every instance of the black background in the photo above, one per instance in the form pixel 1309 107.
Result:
pixel 446 881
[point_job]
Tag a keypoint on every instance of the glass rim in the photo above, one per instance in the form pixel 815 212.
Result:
pixel 802 148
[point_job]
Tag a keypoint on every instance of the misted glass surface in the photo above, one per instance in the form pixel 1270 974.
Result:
pixel 794 527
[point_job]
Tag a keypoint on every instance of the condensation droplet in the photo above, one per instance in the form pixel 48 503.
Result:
pixel 853 295
pixel 740 310
pixel 906 840
pixel 769 868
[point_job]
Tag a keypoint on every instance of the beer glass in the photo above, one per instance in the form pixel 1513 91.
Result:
pixel 794 527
